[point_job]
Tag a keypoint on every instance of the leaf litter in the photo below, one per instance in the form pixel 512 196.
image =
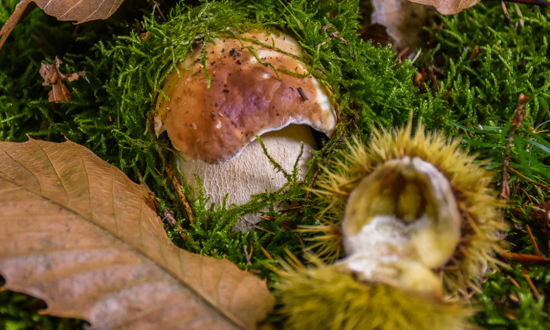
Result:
pixel 64 10
pixel 53 76
pixel 80 235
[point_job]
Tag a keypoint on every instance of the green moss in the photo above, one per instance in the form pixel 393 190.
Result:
pixel 110 111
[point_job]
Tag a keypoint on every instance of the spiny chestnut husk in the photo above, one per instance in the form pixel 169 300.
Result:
pixel 470 208
pixel 330 297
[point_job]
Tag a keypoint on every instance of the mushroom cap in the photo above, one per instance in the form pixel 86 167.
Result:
pixel 245 98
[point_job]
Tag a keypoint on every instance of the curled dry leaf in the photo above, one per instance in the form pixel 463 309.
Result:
pixel 77 233
pixel 51 75
pixel 64 10
pixel 404 21
pixel 448 7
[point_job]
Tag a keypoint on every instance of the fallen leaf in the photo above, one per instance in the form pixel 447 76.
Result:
pixel 64 10
pixel 404 21
pixel 48 73
pixel 59 93
pixel 448 7
pixel 377 34
pixel 77 233
pixel 51 75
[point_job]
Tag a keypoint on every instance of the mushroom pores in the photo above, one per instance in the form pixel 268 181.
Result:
pixel 228 91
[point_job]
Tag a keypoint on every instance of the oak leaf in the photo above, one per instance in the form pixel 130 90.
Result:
pixel 77 233
pixel 448 7
pixel 64 10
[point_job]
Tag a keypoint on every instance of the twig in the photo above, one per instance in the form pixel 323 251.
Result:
pixel 245 248
pixel 514 282
pixel 169 217
pixel 267 217
pixel 541 3
pixel 532 239
pixel 526 258
pixel 529 197
pixel 160 11
pixel 255 226
pixel 401 54
pixel 525 272
pixel 526 178
pixel 474 53
pixel 506 15
pixel 300 240
pixel 516 121
pixel 432 76
pixel 182 197
pixel 264 251
pixel 311 182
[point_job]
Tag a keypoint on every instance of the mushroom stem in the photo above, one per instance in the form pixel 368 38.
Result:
pixel 251 172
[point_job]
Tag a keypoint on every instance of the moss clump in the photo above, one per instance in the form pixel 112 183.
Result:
pixel 127 56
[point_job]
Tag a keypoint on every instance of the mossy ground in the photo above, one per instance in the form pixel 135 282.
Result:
pixel 473 96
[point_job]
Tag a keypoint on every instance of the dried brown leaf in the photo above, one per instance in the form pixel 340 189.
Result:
pixel 64 10
pixel 51 75
pixel 77 233
pixel 59 93
pixel 403 20
pixel 48 73
pixel 448 7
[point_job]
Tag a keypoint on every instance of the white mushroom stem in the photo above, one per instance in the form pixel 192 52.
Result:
pixel 251 172
pixel 404 213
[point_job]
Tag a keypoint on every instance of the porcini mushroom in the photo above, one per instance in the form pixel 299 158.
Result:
pixel 254 84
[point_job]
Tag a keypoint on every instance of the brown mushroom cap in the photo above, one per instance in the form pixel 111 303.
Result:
pixel 245 97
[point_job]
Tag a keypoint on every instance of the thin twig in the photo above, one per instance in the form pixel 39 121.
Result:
pixel 474 53
pixel 245 248
pixel 432 76
pixel 181 195
pixel 506 15
pixel 300 240
pixel 401 54
pixel 267 217
pixel 525 273
pixel 514 282
pixel 526 258
pixel 526 178
pixel 311 182
pixel 516 121
pixel 533 242
pixel 160 11
pixel 264 251
pixel 541 3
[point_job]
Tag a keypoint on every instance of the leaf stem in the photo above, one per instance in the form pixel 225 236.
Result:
pixel 13 20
